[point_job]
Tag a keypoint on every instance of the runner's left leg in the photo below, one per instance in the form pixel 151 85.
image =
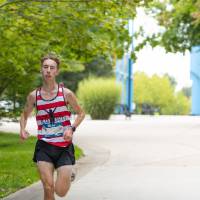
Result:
pixel 63 180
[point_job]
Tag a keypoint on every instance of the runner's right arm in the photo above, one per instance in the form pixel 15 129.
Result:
pixel 25 114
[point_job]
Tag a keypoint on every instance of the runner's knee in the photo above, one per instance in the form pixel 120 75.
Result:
pixel 62 191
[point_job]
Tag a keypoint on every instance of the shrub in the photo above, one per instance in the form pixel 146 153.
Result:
pixel 179 106
pixel 99 96
pixel 157 95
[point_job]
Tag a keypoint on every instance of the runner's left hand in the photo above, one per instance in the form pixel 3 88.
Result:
pixel 68 134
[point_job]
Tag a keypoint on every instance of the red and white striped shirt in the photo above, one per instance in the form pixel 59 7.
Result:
pixel 53 118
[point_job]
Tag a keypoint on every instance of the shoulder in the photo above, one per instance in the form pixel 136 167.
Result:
pixel 69 95
pixel 32 96
pixel 67 92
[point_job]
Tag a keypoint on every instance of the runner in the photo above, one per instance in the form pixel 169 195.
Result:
pixel 54 149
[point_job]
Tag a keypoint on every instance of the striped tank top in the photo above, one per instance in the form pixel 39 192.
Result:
pixel 53 118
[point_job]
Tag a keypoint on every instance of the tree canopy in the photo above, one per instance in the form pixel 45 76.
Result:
pixel 77 31
pixel 158 95
pixel 180 24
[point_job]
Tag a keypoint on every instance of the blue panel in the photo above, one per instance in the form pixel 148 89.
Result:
pixel 124 74
pixel 195 96
pixel 195 76
pixel 195 61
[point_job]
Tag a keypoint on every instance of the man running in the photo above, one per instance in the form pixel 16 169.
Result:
pixel 54 148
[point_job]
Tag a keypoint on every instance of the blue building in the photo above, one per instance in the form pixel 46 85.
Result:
pixel 195 77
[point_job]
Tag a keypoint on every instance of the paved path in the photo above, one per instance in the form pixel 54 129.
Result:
pixel 145 158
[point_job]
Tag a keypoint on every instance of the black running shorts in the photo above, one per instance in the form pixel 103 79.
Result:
pixel 59 156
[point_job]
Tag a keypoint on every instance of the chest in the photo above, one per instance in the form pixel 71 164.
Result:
pixel 49 95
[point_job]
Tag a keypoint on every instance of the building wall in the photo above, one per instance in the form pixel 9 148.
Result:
pixel 195 77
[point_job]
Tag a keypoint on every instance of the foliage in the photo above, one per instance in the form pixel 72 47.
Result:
pixel 183 104
pixel 99 66
pixel 77 31
pixel 171 79
pixel 149 90
pixel 180 105
pixel 17 169
pixel 99 96
pixel 187 91
pixel 180 24
pixel 157 94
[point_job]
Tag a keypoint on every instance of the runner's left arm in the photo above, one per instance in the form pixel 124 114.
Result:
pixel 72 100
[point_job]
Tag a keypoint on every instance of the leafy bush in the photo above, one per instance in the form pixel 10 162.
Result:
pixel 157 95
pixel 99 96
pixel 180 105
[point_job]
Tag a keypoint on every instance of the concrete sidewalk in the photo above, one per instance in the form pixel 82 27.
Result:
pixel 145 158
pixel 93 158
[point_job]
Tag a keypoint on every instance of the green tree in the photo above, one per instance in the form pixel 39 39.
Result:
pixel 141 88
pixel 99 67
pixel 156 94
pixel 180 105
pixel 180 24
pixel 161 91
pixel 187 91
pixel 77 31
pixel 171 79
pixel 154 91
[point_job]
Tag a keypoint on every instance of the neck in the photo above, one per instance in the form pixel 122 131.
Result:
pixel 49 86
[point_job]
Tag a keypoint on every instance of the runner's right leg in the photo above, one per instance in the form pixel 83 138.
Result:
pixel 46 170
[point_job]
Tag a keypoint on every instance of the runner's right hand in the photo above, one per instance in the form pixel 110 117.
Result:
pixel 24 134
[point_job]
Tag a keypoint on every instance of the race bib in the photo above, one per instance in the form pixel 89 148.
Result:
pixel 52 130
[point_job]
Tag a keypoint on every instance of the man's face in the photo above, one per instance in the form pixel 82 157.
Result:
pixel 49 69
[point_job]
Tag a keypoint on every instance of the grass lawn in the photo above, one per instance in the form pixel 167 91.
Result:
pixel 17 170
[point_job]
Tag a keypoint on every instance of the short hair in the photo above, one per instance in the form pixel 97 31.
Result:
pixel 52 57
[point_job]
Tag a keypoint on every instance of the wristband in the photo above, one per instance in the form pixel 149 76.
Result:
pixel 73 128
